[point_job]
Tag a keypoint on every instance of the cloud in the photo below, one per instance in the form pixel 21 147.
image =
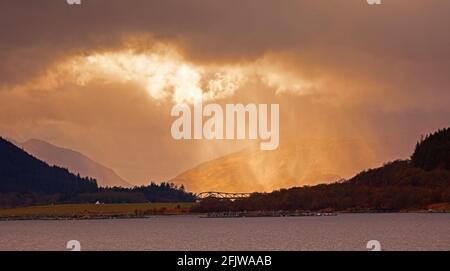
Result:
pixel 163 73
pixel 101 77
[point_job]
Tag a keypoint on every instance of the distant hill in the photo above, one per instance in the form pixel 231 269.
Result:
pixel 76 162
pixel 22 173
pixel 412 184
pixel 294 163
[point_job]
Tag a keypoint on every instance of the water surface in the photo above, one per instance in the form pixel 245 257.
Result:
pixel 342 232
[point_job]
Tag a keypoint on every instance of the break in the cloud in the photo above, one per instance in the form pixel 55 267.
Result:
pixel 165 75
pixel 101 77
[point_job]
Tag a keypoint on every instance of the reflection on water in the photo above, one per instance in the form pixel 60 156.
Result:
pixel 343 232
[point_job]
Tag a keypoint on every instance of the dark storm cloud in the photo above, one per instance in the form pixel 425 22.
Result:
pixel 401 29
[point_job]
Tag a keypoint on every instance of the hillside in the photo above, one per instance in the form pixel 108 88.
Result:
pixel 433 151
pixel 295 163
pixel 400 185
pixel 27 181
pixel 75 162
pixel 23 173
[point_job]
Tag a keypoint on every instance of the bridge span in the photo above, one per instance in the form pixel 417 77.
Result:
pixel 222 195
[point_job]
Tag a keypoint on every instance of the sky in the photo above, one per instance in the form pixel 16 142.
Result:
pixel 101 78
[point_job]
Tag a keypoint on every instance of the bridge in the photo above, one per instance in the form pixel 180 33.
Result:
pixel 222 195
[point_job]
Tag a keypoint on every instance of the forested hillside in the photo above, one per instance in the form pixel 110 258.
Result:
pixel 21 172
pixel 25 181
pixel 399 185
pixel 433 151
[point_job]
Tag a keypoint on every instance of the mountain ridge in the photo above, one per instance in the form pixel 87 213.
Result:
pixel 75 161
pixel 23 173
pixel 417 184
pixel 294 163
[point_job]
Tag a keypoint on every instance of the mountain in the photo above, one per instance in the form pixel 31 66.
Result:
pixel 74 161
pixel 294 163
pixel 28 181
pixel 23 173
pixel 420 183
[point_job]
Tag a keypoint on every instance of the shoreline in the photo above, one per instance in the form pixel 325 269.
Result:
pixel 199 215
pixel 150 210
